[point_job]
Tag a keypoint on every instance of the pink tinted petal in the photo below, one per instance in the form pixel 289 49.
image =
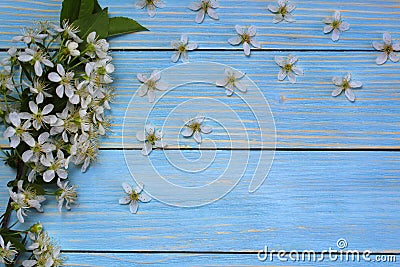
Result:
pixel 211 12
pixel 350 95
pixel 282 75
pixel 387 38
pixel 277 18
pixel 175 56
pixel 200 16
pixel 344 26
pixel 328 28
pixel 382 58
pixel 337 91
pixel 239 30
pixel 289 18
pixel 151 10
pixel 235 40
pixel 377 45
pixel 355 84
pixel 337 15
pixel 394 57
pixel 273 8
pixel 246 48
pixel 335 35
pixel 195 6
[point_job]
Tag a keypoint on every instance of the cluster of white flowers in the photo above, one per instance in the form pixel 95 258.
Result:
pixel 7 252
pixel 44 252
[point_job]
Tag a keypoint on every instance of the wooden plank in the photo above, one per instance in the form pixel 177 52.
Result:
pixel 368 20
pixel 309 201
pixel 6 174
pixel 165 259
pixel 306 115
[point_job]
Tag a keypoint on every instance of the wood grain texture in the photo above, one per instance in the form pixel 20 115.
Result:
pixel 306 115
pixel 209 260
pixel 309 201
pixel 368 20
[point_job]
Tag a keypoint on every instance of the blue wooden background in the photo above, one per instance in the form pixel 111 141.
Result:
pixel 336 171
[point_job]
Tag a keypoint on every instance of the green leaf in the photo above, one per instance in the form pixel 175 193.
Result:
pixel 121 25
pixel 86 8
pixel 97 22
pixel 97 8
pixel 70 10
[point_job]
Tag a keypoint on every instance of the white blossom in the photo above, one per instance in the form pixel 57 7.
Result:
pixel 83 150
pixel 231 81
pixel 39 88
pixel 42 146
pixel 66 194
pixel 335 25
pixel 72 49
pixel 18 130
pixel 69 31
pixel 204 7
pixel 65 79
pixel 6 82
pixel 150 85
pixel 151 6
pixel 388 49
pixel 345 84
pixel 29 36
pixel 54 166
pixel 134 196
pixel 25 199
pixel 151 138
pixel 288 68
pixel 194 127
pixel 96 47
pixel 282 11
pixel 7 252
pixel 36 57
pixel 182 47
pixel 246 37
pixel 40 116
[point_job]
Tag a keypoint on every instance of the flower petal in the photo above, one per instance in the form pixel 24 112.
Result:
pixel 377 45
pixel 355 84
pixel 151 95
pixel 290 7
pixel 235 40
pixel 394 57
pixel 141 77
pixel 337 15
pixel 382 58
pixel 337 81
pixel 15 119
pixel 147 148
pixel 387 38
pixel 211 12
pixel 328 28
pixel 143 197
pixel 187 132
pixel 141 136
pixel 161 86
pixel 155 75
pixel 133 207
pixel 282 75
pixel 195 6
pixel 222 82
pixel 143 90
pixel 254 43
pixel 240 86
pixel 140 4
pixel 239 29
pixel 289 17
pixel 54 77
pixel 200 16
pixel 291 77
pixel 197 137
pixel 337 91
pixel 277 18
pixel 396 46
pixel 273 8
pixel 297 70
pixel 246 48
pixel 127 188
pixel 124 200
pixel 184 39
pixel 252 31
pixel 344 26
pixel 350 95
pixel 151 10
pixel 175 56
pixel 281 61
pixel 149 128
pixel 335 35
pixel 205 129
pixel 191 46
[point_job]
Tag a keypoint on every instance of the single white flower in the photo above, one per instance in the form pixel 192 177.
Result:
pixel 72 49
pixel 54 166
pixel 68 31
pixel 39 88
pixel 151 138
pixel 282 11
pixel 345 84
pixel 182 47
pixel 17 131
pixel 194 127
pixel 40 116
pixel 134 196
pixel 335 25
pixel 204 7
pixel 66 194
pixel 151 6
pixel 387 48
pixel 36 57
pixel 66 84
pixel 246 38
pixel 29 36
pixel 84 150
pixel 103 68
pixel 7 252
pixel 150 85
pixel 42 146
pixel 25 199
pixel 288 68
pixel 96 47
pixel 231 80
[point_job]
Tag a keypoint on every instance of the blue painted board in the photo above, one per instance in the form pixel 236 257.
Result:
pixel 309 201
